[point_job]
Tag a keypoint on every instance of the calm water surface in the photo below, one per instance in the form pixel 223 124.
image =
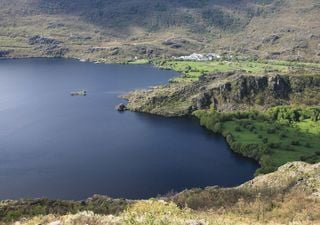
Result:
pixel 57 146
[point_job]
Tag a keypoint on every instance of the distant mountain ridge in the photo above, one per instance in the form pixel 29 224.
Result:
pixel 126 29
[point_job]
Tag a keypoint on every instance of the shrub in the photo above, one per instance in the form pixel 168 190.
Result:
pixel 308 145
pixel 274 145
pixel 283 135
pixel 295 142
pixel 271 131
pixel 238 129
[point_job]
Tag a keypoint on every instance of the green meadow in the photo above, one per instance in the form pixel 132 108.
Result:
pixel 275 137
pixel 192 70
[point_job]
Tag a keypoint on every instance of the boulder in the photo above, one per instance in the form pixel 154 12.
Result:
pixel 121 107
pixel 271 39
pixel 4 53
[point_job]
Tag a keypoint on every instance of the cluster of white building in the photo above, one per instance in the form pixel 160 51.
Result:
pixel 200 57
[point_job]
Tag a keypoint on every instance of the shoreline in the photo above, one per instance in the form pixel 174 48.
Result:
pixel 234 151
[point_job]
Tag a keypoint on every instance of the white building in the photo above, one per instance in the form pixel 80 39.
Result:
pixel 200 57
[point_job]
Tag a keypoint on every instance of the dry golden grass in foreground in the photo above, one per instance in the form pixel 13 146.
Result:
pixel 295 208
pixel 290 195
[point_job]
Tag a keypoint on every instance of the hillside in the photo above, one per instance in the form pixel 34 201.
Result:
pixel 265 101
pixel 266 110
pixel 124 30
pixel 290 195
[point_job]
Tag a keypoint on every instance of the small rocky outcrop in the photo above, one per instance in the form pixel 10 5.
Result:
pixel 271 39
pixel 40 40
pixel 175 42
pixel 289 177
pixel 121 107
pixel 48 46
pixel 4 53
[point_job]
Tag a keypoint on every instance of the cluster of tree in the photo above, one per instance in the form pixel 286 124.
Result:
pixel 214 121
pixel 294 114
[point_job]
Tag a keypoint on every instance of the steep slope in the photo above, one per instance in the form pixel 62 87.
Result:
pixel 124 30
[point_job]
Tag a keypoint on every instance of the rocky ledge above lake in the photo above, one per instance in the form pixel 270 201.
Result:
pixel 227 92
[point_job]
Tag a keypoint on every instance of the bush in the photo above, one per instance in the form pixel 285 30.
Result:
pixel 238 129
pixel 283 135
pixel 308 145
pixel 229 138
pixel 271 131
pixel 274 145
pixel 295 142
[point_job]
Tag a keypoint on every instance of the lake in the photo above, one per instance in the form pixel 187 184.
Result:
pixel 57 146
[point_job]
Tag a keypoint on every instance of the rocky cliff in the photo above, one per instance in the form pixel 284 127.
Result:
pixel 227 92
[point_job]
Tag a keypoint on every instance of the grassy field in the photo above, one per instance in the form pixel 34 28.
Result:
pixel 273 142
pixel 192 70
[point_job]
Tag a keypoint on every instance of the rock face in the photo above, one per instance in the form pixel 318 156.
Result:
pixel 227 92
pixel 289 177
pixel 48 46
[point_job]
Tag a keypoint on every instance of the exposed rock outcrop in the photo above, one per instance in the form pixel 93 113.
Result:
pixel 271 39
pixel 48 46
pixel 121 107
pixel 43 40
pixel 290 177
pixel 4 53
pixel 227 92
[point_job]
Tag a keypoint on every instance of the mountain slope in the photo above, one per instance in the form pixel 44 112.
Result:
pixel 122 30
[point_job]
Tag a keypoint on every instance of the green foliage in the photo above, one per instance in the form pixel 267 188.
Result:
pixel 275 137
pixel 192 70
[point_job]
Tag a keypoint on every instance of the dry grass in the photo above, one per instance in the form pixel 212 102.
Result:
pixel 293 209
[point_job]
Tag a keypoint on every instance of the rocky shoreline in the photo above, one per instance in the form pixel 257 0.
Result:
pixel 226 92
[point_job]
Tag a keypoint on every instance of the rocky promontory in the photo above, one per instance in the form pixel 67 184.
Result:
pixel 232 91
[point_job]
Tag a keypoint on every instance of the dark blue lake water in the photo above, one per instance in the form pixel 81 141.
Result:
pixel 57 146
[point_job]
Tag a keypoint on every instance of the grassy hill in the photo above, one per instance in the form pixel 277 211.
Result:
pixel 123 30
